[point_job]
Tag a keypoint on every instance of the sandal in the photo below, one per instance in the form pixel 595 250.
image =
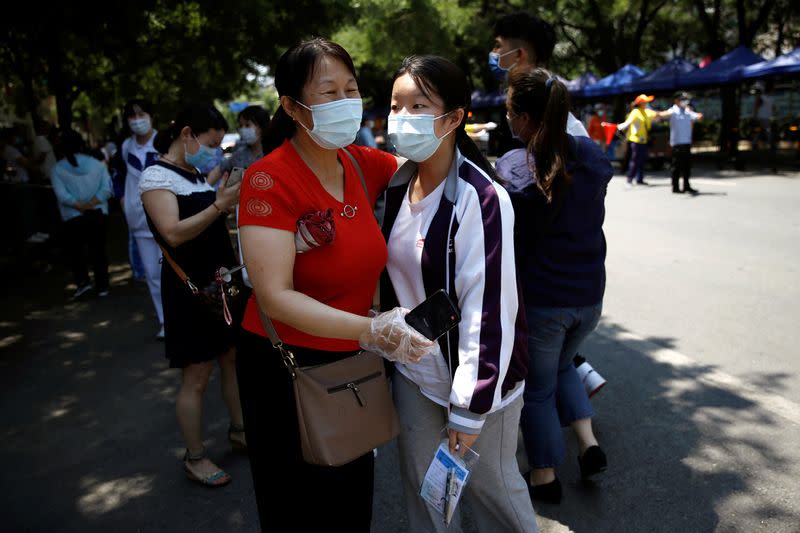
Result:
pixel 217 479
pixel 238 444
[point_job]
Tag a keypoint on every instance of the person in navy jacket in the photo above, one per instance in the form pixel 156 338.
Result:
pixel 561 253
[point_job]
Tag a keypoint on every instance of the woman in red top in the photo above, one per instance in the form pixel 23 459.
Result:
pixel 317 294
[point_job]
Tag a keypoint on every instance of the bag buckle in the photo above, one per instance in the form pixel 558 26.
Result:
pixel 288 359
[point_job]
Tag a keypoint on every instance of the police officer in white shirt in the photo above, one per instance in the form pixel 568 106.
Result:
pixel 681 117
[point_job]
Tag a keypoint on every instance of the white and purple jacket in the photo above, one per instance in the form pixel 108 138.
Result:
pixel 468 250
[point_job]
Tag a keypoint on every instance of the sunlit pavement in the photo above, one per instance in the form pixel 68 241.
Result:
pixel 700 417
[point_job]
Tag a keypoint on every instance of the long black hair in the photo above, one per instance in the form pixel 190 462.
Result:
pixel 546 102
pixel 200 117
pixel 295 67
pixel 71 144
pixel 440 76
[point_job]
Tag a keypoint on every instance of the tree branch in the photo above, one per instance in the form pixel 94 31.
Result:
pixel 759 21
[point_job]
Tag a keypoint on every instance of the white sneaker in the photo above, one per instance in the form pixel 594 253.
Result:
pixel 160 334
pixel 81 291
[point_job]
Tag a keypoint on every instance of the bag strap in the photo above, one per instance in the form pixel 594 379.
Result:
pixel 269 327
pixel 358 170
pixel 288 357
pixel 178 270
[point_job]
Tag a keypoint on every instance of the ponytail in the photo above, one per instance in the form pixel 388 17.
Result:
pixel 470 150
pixel 546 101
pixel 165 138
pixel 200 117
pixel 281 127
pixel 71 144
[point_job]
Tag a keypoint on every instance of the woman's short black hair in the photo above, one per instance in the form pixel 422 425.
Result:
pixel 533 31
pixel 257 115
pixel 142 104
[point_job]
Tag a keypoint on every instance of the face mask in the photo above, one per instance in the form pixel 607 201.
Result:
pixel 514 135
pixel 494 64
pixel 413 135
pixel 248 135
pixel 200 159
pixel 335 123
pixel 140 126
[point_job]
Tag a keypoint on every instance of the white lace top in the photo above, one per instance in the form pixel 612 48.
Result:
pixel 159 177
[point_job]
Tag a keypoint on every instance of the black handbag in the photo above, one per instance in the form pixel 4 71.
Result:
pixel 225 298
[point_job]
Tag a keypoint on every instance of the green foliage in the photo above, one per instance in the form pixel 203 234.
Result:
pixel 176 51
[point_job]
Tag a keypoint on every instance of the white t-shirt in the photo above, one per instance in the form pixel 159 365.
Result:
pixel 137 157
pixel 11 155
pixel 575 127
pixel 42 146
pixel 405 257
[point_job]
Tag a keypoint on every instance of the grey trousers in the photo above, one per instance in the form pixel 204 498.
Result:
pixel 497 493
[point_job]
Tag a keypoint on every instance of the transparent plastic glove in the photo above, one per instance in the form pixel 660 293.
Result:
pixel 392 338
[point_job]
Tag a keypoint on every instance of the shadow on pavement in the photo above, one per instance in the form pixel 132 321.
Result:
pixel 684 455
pixel 90 441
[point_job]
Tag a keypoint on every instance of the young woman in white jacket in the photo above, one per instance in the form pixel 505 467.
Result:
pixel 449 225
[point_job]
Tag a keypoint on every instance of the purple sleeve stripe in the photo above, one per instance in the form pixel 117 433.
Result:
pixel 491 338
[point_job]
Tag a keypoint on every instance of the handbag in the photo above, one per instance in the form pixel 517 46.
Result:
pixel 344 408
pixel 225 298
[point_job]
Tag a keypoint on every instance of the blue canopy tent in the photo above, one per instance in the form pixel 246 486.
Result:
pixel 482 99
pixel 581 82
pixel 785 64
pixel 726 69
pixel 667 77
pixel 613 83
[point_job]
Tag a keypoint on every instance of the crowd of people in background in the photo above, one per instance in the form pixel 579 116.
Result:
pixel 519 245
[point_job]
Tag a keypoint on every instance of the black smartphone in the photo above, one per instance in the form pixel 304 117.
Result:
pixel 435 316
pixel 235 176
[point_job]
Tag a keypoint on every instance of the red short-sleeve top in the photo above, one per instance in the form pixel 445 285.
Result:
pixel 279 189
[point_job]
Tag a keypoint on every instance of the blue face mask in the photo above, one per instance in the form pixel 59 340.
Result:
pixel 201 159
pixel 494 64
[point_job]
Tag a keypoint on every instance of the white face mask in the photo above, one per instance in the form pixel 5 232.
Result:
pixel 140 126
pixel 248 136
pixel 413 136
pixel 335 123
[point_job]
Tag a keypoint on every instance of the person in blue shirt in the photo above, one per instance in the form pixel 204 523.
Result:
pixel 561 249
pixel 82 186
pixel 364 137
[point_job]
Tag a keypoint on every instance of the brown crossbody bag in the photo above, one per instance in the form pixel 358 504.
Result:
pixel 344 408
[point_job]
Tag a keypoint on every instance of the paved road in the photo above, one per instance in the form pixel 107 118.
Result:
pixel 700 418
